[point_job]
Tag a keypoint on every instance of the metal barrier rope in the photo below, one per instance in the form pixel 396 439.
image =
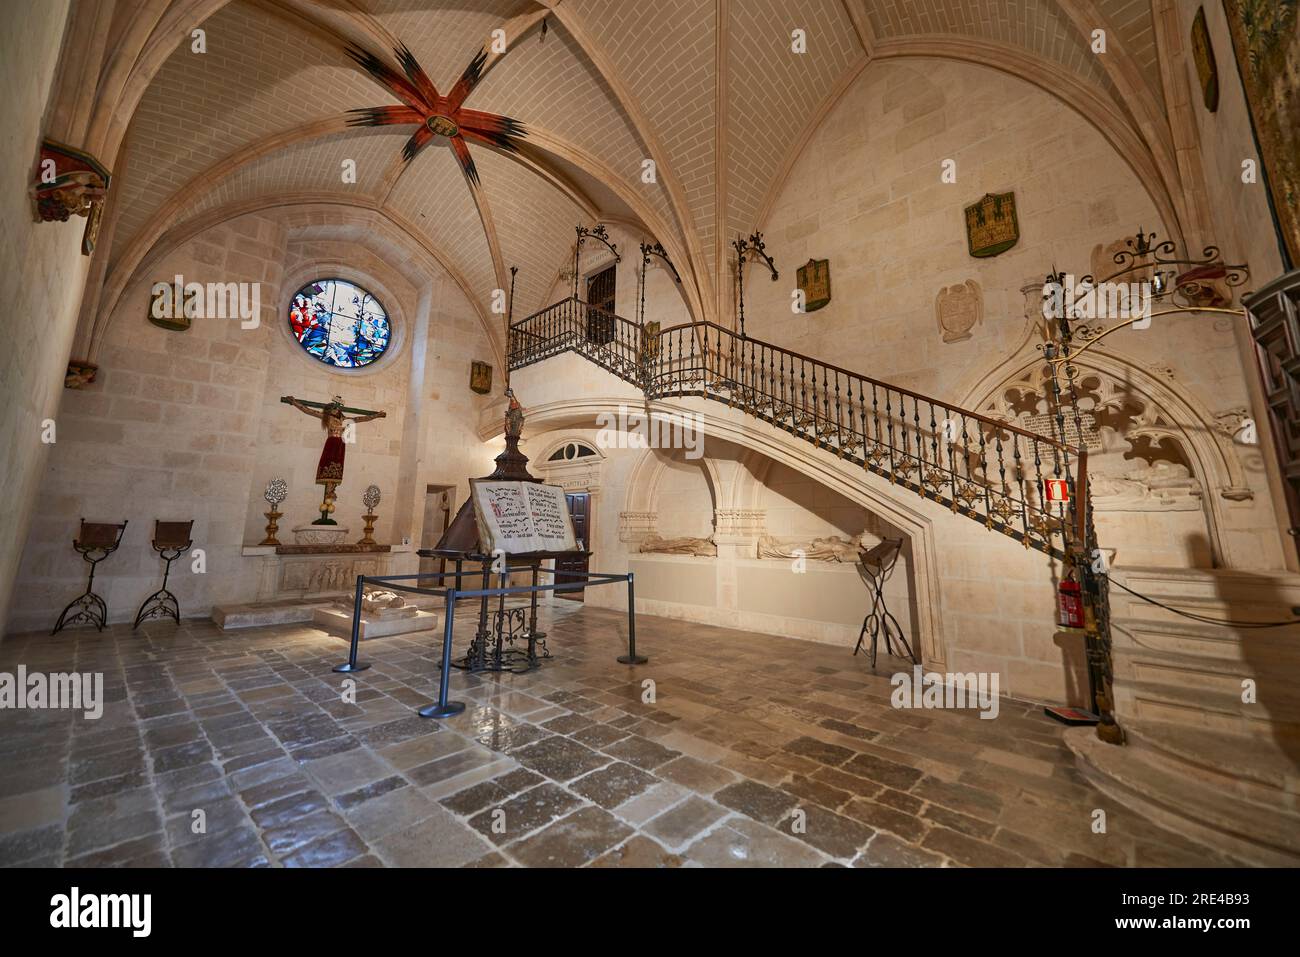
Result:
pixel 443 707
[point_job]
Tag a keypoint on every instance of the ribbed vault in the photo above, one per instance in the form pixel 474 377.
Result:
pixel 710 91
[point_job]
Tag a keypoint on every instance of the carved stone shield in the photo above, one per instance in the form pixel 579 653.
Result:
pixel 815 283
pixel 959 309
pixel 991 225
pixel 480 377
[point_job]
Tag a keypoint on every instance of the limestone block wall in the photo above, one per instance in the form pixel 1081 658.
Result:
pixel 188 424
pixel 1239 210
pixel 42 273
pixel 817 600
pixel 665 301
pixel 867 194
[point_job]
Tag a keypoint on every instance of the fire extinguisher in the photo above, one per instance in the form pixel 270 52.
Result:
pixel 1069 603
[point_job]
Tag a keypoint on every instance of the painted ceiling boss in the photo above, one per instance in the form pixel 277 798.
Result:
pixel 437 115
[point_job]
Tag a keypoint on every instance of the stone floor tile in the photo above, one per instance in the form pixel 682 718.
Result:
pixel 560 758
pixel 641 752
pixel 762 803
pixel 740 842
pixel 695 775
pixel 638 852
pixel 249 727
pixel 680 825
pixel 613 784
pixel 523 813
pixel 572 841
pixel 439 837
pixel 389 812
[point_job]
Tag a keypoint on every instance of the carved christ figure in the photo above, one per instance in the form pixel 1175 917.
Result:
pixel 329 470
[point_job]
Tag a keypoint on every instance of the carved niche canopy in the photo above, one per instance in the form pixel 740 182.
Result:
pixel 1137 457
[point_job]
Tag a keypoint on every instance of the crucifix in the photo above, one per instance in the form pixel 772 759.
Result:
pixel 329 471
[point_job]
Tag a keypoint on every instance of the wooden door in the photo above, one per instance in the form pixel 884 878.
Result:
pixel 600 296
pixel 580 510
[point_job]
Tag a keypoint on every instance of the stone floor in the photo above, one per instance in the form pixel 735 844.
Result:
pixel 755 750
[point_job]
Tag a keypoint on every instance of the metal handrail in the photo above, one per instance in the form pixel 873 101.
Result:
pixel 982 467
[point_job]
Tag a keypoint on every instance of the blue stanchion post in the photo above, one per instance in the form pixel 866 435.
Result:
pixel 352 664
pixel 631 658
pixel 443 708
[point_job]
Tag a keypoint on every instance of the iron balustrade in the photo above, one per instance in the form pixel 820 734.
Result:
pixel 980 467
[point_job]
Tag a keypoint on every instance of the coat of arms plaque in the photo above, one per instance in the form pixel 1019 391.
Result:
pixel 480 377
pixel 814 279
pixel 991 225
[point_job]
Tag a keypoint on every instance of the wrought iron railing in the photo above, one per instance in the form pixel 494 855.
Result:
pixel 980 467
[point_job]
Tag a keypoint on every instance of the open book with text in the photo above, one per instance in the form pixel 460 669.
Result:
pixel 522 517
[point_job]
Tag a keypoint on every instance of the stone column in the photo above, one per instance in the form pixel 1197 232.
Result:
pixel 736 532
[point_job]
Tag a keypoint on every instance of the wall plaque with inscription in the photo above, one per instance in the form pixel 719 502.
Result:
pixel 1045 424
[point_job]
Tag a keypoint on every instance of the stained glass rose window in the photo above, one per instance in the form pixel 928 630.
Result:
pixel 339 323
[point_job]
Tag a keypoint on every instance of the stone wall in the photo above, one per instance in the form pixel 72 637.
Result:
pixel 42 273
pixel 867 194
pixel 184 425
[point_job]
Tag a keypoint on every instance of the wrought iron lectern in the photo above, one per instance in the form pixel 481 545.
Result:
pixel 95 542
pixel 170 541
pixel 875 566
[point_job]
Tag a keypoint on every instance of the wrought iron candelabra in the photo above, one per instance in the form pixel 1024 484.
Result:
pixel 646 252
pixel 600 233
pixel 754 248
pixel 1174 285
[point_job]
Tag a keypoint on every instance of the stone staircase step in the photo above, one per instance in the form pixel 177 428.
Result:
pixel 1260 769
pixel 1225 610
pixel 1274 647
pixel 1205 708
pixel 1179 798
pixel 1278 688
pixel 1217 592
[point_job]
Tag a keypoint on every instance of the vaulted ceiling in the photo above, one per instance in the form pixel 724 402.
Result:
pixel 709 90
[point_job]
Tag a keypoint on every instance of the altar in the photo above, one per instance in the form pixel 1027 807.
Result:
pixel 300 571
pixel 294 581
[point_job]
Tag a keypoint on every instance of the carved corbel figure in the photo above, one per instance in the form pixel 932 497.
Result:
pixel 69 182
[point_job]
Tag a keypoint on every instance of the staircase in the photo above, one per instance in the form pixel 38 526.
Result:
pixel 1201 760
pixel 979 467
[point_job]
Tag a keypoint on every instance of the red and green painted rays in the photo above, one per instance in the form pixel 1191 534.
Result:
pixel 437 115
